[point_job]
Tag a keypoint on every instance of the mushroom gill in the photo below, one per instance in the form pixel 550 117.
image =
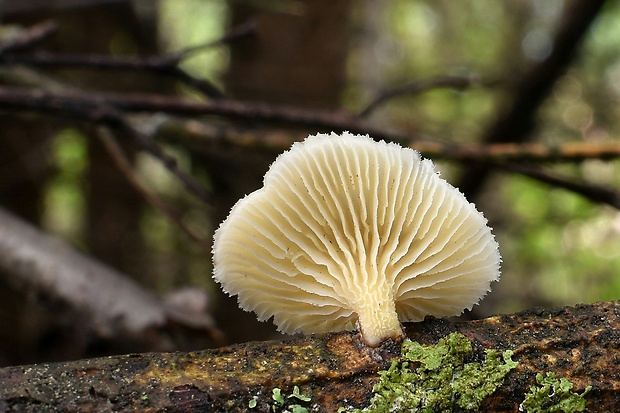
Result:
pixel 348 232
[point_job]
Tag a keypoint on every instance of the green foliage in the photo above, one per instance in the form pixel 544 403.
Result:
pixel 438 378
pixel 191 23
pixel 560 244
pixel 553 395
pixel 64 204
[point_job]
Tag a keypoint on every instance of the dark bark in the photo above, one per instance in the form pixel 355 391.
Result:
pixel 579 343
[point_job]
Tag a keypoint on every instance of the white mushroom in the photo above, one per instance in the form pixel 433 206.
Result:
pixel 351 232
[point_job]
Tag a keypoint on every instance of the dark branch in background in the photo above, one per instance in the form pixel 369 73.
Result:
pixel 110 109
pixel 107 109
pixel 167 65
pixel 424 85
pixel 116 120
pixel 516 124
pixel 498 153
pixel 29 37
pixel 98 111
pixel 594 193
pixel 123 163
pixel 88 106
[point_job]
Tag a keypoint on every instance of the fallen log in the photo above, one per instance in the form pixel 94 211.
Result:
pixel 324 372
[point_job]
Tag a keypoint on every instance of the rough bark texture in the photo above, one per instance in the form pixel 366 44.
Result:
pixel 579 343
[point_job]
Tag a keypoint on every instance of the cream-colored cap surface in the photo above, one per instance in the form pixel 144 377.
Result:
pixel 351 233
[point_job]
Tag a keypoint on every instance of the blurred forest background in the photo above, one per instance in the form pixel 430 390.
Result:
pixel 518 103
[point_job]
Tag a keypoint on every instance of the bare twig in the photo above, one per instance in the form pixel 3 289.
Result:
pixel 108 109
pixel 91 107
pixel 594 193
pixel 100 111
pixel 29 37
pixel 87 106
pixel 124 165
pixel 200 132
pixel 238 32
pixel 115 118
pixel 164 65
pixel 522 152
pixel 423 85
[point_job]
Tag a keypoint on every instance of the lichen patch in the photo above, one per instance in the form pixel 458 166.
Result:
pixel 439 378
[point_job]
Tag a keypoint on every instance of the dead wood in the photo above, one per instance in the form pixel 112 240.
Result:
pixel 579 343
pixel 93 296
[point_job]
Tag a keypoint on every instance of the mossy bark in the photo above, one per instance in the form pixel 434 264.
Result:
pixel 579 343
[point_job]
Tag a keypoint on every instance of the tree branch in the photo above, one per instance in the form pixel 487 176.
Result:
pixel 103 301
pixel 107 109
pixel 577 343
pixel 167 65
pixel 124 165
pixel 424 85
pixel 38 262
pixel 28 38
pixel 87 106
pixel 594 193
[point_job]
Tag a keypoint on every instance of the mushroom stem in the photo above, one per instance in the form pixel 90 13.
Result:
pixel 377 317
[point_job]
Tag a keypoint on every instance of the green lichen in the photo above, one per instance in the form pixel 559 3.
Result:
pixel 553 395
pixel 280 404
pixel 277 396
pixel 437 378
pixel 297 394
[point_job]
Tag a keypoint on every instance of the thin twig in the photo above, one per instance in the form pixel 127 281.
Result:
pixel 101 111
pixel 424 85
pixel 243 30
pixel 107 109
pixel 88 106
pixel 124 165
pixel 164 65
pixel 522 152
pixel 206 132
pixel 29 37
pixel 594 193
pixel 116 119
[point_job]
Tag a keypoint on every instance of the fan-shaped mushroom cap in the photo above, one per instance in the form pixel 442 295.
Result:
pixel 347 230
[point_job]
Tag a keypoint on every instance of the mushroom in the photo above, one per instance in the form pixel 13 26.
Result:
pixel 348 232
